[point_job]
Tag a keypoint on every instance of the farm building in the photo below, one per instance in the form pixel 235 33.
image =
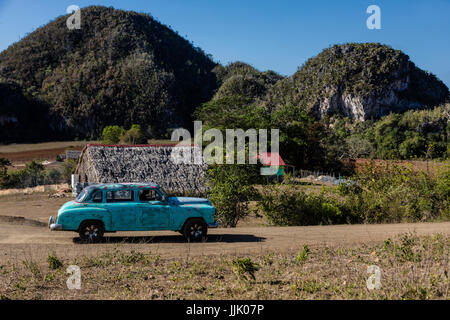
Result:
pixel 143 163
pixel 269 159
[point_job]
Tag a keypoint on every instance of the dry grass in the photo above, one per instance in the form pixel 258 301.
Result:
pixel 412 267
pixel 429 167
pixel 21 147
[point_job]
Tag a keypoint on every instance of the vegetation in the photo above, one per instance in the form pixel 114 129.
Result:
pixel 68 168
pixel 241 79
pixel 303 254
pixel 134 135
pixel 291 207
pixel 116 134
pixel 32 175
pixel 112 134
pixel 121 67
pixel 411 135
pixel 413 268
pixel 53 261
pixel 231 188
pixel 359 69
pixel 396 194
pixel 376 194
pixel 244 266
pixel 303 141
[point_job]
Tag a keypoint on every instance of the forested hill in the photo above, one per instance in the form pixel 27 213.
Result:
pixel 121 68
pixel 360 81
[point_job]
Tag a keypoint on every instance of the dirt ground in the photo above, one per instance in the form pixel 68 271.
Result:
pixel 29 234
pixel 162 265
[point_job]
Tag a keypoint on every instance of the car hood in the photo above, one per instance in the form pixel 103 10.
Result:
pixel 188 201
pixel 70 205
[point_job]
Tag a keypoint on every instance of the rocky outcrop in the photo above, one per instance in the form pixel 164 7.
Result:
pixel 360 81
pixel 362 107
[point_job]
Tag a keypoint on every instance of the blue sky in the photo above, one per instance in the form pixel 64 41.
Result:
pixel 279 35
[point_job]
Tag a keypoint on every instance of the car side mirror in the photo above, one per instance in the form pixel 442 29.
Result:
pixel 164 198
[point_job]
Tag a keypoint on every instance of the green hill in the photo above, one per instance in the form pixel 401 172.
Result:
pixel 124 68
pixel 360 81
pixel 120 68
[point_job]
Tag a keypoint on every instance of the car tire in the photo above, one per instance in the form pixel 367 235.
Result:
pixel 195 230
pixel 91 231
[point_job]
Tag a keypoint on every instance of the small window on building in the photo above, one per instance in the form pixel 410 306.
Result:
pixel 119 196
pixel 148 195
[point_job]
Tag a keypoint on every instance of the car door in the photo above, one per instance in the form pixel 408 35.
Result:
pixel 123 209
pixel 153 213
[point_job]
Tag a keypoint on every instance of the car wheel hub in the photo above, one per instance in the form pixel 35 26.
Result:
pixel 91 232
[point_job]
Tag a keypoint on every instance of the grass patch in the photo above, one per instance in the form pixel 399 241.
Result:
pixel 412 267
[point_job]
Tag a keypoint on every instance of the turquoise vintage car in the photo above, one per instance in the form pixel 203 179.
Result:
pixel 104 208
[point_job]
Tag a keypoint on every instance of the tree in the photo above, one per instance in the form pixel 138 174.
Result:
pixel 134 135
pixel 4 163
pixel 358 147
pixel 34 171
pixel 112 134
pixel 230 191
pixel 69 167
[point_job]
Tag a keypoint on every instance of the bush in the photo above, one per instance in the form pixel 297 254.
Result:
pixel 52 176
pixel 284 205
pixel 69 167
pixel 395 194
pixel 243 266
pixel 230 191
pixel 133 136
pixel 53 261
pixel 112 134
pixel 303 254
pixel 4 178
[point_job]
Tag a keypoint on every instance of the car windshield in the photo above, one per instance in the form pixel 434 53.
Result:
pixel 163 192
pixel 82 195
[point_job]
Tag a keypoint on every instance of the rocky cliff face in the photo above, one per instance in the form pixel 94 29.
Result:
pixel 370 106
pixel 360 81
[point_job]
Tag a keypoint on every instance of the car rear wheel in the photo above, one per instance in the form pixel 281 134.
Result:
pixel 91 231
pixel 195 230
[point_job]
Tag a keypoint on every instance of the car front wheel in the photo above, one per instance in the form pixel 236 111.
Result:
pixel 195 230
pixel 91 231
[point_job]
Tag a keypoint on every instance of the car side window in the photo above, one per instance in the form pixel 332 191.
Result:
pixel 97 196
pixel 119 196
pixel 148 195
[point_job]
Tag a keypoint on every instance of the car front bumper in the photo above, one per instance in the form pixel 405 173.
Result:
pixel 54 226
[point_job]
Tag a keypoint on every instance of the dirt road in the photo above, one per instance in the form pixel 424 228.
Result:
pixel 18 240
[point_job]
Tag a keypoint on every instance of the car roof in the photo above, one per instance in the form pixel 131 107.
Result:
pixel 124 185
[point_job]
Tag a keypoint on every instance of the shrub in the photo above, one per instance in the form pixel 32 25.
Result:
pixel 230 191
pixel 112 134
pixel 53 261
pixel 4 178
pixel 243 266
pixel 69 167
pixel 396 193
pixel 34 172
pixel 52 176
pixel 284 205
pixel 303 254
pixel 134 135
